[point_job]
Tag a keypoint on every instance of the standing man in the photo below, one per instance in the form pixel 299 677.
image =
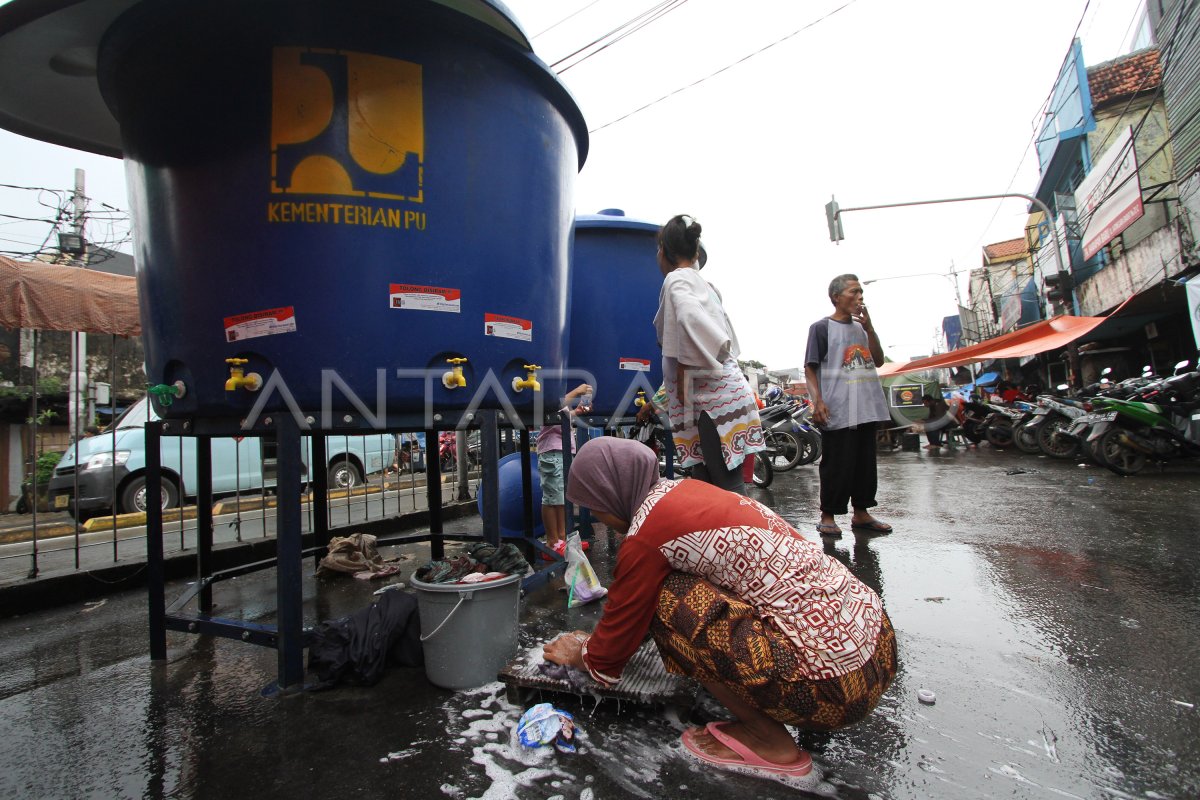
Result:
pixel 848 403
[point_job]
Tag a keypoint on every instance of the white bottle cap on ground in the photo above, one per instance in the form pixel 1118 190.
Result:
pixel 926 696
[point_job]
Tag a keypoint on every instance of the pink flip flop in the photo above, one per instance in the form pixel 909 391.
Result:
pixel 799 775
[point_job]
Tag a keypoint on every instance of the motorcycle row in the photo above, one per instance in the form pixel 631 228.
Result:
pixel 791 437
pixel 1122 425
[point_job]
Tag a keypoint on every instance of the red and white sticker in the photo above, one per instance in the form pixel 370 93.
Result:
pixel 260 323
pixel 412 297
pixel 507 327
pixel 635 364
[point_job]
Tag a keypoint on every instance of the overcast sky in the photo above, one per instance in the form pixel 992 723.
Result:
pixel 876 101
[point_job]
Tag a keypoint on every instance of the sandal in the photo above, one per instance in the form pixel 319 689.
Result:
pixel 798 775
pixel 828 529
pixel 874 526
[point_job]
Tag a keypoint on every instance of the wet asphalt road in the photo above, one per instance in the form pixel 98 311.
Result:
pixel 1055 613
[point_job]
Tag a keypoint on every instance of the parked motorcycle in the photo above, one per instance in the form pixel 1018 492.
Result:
pixel 810 434
pixel 1101 396
pixel 974 421
pixel 1024 436
pixel 1004 426
pixel 764 472
pixel 1161 424
pixel 999 422
pixel 790 434
pixel 1055 413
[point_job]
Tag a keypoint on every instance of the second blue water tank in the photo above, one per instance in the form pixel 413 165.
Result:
pixel 614 294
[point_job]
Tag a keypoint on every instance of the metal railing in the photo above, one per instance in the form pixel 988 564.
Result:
pixel 380 485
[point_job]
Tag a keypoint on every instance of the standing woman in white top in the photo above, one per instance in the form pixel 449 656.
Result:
pixel 714 419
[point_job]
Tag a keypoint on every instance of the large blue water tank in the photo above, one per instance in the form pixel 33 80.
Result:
pixel 336 191
pixel 615 282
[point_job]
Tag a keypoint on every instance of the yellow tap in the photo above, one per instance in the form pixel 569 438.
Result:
pixel 641 398
pixel 530 381
pixel 453 377
pixel 238 379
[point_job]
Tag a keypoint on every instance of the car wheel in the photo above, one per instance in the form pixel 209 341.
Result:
pixel 133 498
pixel 344 475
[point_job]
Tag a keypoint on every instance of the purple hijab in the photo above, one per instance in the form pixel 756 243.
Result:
pixel 612 475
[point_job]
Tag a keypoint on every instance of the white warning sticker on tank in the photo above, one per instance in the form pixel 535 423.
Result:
pixel 635 364
pixel 507 327
pixel 260 323
pixel 412 297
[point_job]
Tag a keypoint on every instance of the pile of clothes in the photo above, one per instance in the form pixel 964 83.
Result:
pixel 356 555
pixel 357 649
pixel 480 562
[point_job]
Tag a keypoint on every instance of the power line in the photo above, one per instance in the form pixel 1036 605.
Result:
pixel 1138 11
pixel 1165 52
pixel 725 68
pixel 28 219
pixel 564 19
pixel 1037 131
pixel 30 188
pixel 627 28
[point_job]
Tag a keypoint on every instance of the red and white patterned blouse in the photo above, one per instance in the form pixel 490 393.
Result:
pixel 740 545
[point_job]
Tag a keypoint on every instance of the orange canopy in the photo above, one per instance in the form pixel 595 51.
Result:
pixel 54 297
pixel 1048 334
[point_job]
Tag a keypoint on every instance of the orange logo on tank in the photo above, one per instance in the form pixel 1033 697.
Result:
pixel 345 123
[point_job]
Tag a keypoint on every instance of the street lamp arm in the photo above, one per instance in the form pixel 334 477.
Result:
pixel 914 275
pixel 1030 198
pixel 833 212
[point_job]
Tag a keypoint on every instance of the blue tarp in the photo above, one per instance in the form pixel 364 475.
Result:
pixel 952 329
pixel 985 380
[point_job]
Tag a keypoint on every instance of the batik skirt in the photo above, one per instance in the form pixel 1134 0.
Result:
pixel 710 635
pixel 726 398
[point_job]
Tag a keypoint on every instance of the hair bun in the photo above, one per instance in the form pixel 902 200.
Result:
pixel 691 228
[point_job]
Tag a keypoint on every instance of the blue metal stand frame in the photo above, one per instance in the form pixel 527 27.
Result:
pixel 288 635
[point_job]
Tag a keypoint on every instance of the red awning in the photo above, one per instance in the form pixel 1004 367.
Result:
pixel 1049 334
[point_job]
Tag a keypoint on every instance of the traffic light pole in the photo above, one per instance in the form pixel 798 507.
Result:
pixel 833 216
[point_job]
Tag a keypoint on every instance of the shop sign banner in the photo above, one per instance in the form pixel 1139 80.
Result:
pixel 1110 198
pixel 1010 312
pixel 906 395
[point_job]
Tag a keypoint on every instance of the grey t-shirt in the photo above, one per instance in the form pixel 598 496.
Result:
pixel 841 355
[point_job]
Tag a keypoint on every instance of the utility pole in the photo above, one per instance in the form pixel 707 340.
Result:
pixel 954 280
pixel 77 387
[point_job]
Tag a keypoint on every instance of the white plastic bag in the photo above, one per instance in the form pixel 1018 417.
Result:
pixel 582 584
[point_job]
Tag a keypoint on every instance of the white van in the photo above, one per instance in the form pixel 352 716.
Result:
pixel 117 458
